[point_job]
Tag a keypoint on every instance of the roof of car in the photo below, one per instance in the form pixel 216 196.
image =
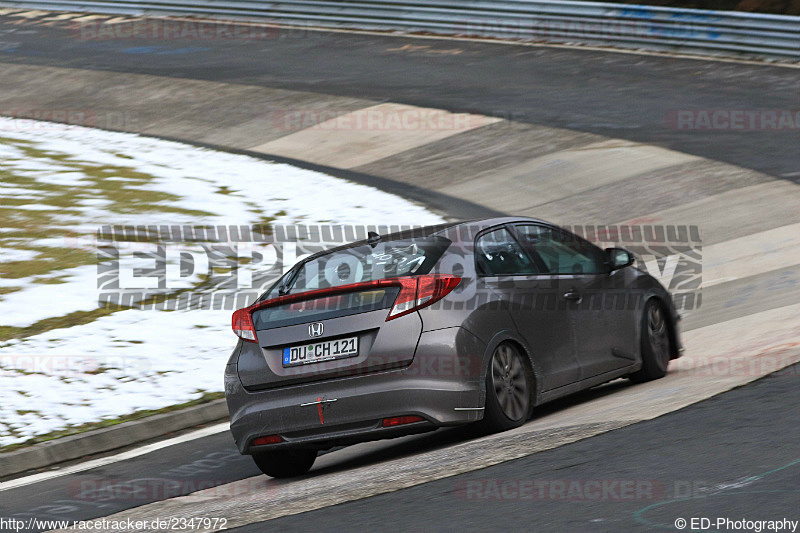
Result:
pixel 478 225
pixel 427 231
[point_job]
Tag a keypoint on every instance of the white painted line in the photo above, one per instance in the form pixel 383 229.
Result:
pixel 90 17
pixel 64 16
pixel 103 461
pixel 120 20
pixel 32 14
pixel 717 281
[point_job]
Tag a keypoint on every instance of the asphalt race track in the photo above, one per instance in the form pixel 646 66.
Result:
pixel 749 432
pixel 734 455
pixel 616 95
pixel 666 460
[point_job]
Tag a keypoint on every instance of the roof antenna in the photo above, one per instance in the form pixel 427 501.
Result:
pixel 373 239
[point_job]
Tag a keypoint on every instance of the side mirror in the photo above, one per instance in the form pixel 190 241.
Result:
pixel 619 258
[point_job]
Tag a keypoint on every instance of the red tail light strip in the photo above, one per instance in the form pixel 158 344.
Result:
pixel 401 420
pixel 416 292
pixel 272 439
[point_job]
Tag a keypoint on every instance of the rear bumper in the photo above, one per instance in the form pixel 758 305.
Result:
pixel 439 385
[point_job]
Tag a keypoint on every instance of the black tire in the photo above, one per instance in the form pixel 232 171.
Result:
pixel 655 347
pixel 285 463
pixel 508 390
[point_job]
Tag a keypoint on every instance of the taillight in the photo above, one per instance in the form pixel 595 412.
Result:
pixel 406 300
pixel 242 324
pixel 421 291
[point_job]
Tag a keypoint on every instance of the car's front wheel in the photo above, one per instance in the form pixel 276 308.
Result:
pixel 655 344
pixel 508 390
pixel 285 463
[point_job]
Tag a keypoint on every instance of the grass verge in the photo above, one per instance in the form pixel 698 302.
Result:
pixel 137 415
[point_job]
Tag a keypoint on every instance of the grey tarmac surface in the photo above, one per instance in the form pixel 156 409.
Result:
pixel 733 456
pixel 176 470
pixel 186 468
pixel 615 95
pixel 727 466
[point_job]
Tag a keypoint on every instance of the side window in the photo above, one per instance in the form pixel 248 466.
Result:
pixel 498 253
pixel 561 252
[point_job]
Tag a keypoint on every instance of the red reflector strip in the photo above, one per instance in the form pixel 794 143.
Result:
pixel 400 420
pixel 272 439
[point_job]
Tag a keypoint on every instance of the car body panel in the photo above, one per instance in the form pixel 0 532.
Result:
pixel 433 362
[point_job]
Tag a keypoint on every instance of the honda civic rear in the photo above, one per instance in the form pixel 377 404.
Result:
pixel 327 355
pixel 448 325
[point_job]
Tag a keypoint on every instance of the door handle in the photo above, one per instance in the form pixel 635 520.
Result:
pixel 572 296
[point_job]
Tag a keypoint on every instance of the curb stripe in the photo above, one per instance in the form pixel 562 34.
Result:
pixel 369 134
pixel 756 253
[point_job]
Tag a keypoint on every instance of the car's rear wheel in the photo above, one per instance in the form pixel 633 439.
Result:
pixel 285 463
pixel 508 390
pixel 655 344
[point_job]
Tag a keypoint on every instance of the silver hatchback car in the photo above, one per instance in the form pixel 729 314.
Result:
pixel 473 322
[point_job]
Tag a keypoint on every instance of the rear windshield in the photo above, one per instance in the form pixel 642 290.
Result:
pixel 362 263
pixel 408 257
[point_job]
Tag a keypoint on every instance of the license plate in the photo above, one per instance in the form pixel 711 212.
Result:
pixel 318 352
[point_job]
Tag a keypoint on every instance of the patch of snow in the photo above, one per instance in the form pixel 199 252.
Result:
pixel 7 255
pixel 38 301
pixel 134 360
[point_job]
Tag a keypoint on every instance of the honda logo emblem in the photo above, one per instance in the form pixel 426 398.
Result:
pixel 315 329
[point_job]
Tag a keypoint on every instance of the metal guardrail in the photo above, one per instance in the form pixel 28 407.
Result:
pixel 620 25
